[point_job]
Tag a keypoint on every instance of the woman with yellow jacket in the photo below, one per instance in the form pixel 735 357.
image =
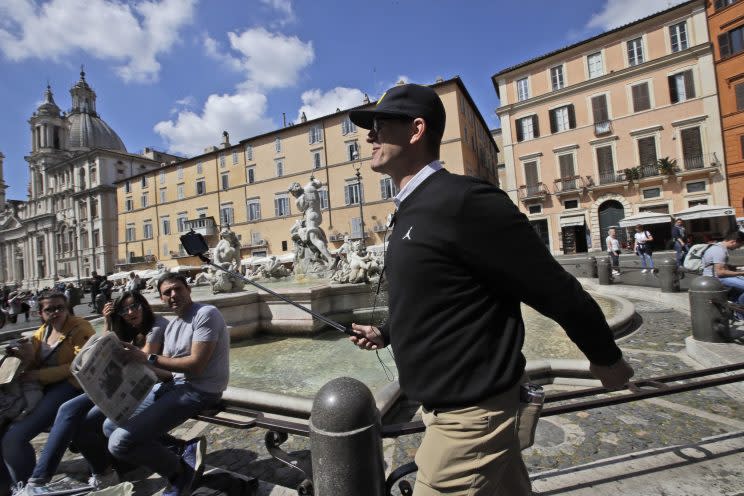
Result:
pixel 55 344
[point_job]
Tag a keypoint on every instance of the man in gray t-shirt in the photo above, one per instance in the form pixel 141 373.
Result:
pixel 196 348
pixel 715 264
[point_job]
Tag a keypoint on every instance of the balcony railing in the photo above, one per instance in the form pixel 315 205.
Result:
pixel 569 184
pixel 254 243
pixel 206 226
pixel 650 170
pixel 611 178
pixel 529 192
pixel 602 128
pixel 696 162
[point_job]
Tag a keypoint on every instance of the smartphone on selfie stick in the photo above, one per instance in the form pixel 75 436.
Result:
pixel 195 245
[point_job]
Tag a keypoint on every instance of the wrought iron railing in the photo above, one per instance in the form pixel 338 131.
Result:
pixel 611 178
pixel 602 127
pixel 532 191
pixel 695 162
pixel 570 183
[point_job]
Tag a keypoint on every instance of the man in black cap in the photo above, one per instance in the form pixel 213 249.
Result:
pixel 455 323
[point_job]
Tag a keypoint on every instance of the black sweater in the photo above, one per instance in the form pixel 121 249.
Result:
pixel 460 259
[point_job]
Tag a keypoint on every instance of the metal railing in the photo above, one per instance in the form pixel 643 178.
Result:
pixel 570 183
pixel 602 127
pixel 532 191
pixel 611 178
pixel 696 162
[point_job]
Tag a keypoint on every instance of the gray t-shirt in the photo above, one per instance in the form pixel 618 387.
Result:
pixel 716 254
pixel 201 323
pixel 157 333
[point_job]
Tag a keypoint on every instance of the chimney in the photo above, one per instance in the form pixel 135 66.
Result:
pixel 303 117
pixel 225 139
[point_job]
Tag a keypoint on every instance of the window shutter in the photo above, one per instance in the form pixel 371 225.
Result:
pixel 739 90
pixel 530 173
pixel 724 45
pixel 382 189
pixel 553 123
pixel 604 161
pixel 647 150
pixel 535 126
pixel 641 99
pixel 599 109
pixel 692 146
pixel 571 117
pixel 347 200
pixel 689 84
pixel 673 96
pixel 520 134
pixel 276 207
pixel 567 166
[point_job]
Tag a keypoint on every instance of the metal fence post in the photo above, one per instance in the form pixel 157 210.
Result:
pixel 346 440
pixel 604 270
pixel 668 277
pixel 708 310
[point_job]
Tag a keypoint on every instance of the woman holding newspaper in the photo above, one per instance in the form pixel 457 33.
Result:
pixel 79 420
pixel 54 345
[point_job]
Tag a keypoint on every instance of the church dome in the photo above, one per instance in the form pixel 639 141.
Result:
pixel 90 131
pixel 49 107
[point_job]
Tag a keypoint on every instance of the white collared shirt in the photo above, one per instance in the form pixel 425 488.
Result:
pixel 415 181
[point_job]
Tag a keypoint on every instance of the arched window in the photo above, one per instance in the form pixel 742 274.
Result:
pixel 93 177
pixel 82 178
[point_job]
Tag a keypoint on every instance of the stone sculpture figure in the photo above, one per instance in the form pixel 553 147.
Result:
pixel 311 247
pixel 361 264
pixel 273 269
pixel 227 255
pixel 152 283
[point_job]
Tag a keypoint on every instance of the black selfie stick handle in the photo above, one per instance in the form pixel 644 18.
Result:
pixel 323 318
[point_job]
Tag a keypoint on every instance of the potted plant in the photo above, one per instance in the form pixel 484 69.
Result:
pixel 632 174
pixel 667 166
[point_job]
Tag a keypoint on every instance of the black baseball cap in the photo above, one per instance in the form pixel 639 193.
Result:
pixel 408 101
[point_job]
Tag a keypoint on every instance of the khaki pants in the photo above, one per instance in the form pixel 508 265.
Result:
pixel 472 451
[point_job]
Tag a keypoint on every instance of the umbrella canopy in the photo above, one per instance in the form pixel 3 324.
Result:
pixel 705 212
pixel 645 218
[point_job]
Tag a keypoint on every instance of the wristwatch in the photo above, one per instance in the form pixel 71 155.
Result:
pixel 152 359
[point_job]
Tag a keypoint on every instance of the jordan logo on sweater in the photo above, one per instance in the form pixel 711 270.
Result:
pixel 408 234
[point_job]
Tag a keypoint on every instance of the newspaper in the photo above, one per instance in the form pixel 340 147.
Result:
pixel 115 386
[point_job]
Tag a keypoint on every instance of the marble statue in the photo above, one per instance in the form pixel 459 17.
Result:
pixel 311 246
pixel 152 283
pixel 273 269
pixel 227 255
pixel 203 278
pixel 355 265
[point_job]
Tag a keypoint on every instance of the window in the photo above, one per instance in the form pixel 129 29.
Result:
pixel 535 209
pixel 651 193
pixel 179 172
pixel 222 160
pixel 600 113
pixel 569 204
pixel 594 65
pixel 732 42
pixel 523 89
pixel 181 222
pixel 147 229
pixel 256 240
pixel 647 151
pixel 179 191
pixel 165 225
pixel 695 187
pixel 694 203
pixel 254 209
pixel 352 193
pixel 94 208
pixel 279 167
pixel 641 97
pixel 130 232
pixel 347 127
pixel 692 148
pixel 531 177
pixel 739 92
pixel 235 157
pixel 225 181
pixel 143 200
pixel 250 175
pixel 144 181
pixel 316 160
pixel 92 174
pixel 724 3
pixel 605 165
pixel 323 197
pixel 128 204
pixel 567 171
pixel 681 87
pixel 387 188
pixel 227 214
pixel 127 186
pixel 527 128
pixel 635 51
pixel 278 145
pixel 199 168
pixel 96 237
pixel 556 77
pixel 315 135
pixel 162 177
pixel 356 227
pixel 248 153
pixel 678 36
pixel 163 195
pixel 201 187
pixel 281 205
pixel 562 119
pixel 352 150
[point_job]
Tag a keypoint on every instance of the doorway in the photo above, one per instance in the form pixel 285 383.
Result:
pixel 610 213
pixel 574 239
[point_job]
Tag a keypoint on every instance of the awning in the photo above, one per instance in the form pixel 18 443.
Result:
pixel 705 212
pixel 645 218
pixel 574 220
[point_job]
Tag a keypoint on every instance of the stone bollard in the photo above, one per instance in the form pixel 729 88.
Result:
pixel 668 277
pixel 604 270
pixel 587 267
pixel 346 440
pixel 707 298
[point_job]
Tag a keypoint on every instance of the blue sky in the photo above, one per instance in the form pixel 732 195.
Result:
pixel 172 74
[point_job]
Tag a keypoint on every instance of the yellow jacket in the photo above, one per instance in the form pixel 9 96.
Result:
pixel 75 333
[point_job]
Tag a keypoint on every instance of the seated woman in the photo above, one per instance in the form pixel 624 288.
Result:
pixel 54 345
pixel 79 420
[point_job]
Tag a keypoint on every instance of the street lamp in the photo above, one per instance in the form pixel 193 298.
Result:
pixel 357 167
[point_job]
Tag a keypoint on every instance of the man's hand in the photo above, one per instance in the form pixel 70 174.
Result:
pixel 613 376
pixel 131 353
pixel 372 337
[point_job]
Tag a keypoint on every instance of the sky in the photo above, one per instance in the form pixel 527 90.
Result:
pixel 173 74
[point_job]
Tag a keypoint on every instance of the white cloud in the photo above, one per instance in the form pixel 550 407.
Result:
pixel 317 104
pixel 241 114
pixel 616 13
pixel 131 36
pixel 284 7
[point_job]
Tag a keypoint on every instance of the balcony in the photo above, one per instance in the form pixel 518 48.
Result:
pixel 532 192
pixel 569 185
pixel 206 226
pixel 255 243
pixel 602 128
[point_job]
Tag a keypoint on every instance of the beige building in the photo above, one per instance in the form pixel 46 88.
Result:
pixel 587 130
pixel 245 185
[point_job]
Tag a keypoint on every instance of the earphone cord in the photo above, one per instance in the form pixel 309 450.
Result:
pixel 388 371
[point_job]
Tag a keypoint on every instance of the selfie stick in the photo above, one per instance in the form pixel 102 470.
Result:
pixel 195 241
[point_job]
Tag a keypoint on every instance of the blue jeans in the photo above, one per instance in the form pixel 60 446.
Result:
pixel 138 439
pixel 681 251
pixel 737 283
pixel 80 421
pixel 18 455
pixel 646 257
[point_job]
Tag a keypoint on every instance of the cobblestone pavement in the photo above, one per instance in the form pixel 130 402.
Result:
pixel 656 348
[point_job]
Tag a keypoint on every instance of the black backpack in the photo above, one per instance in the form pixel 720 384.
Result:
pixel 221 483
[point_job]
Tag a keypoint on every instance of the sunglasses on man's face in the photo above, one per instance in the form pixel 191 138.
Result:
pixel 379 123
pixel 54 309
